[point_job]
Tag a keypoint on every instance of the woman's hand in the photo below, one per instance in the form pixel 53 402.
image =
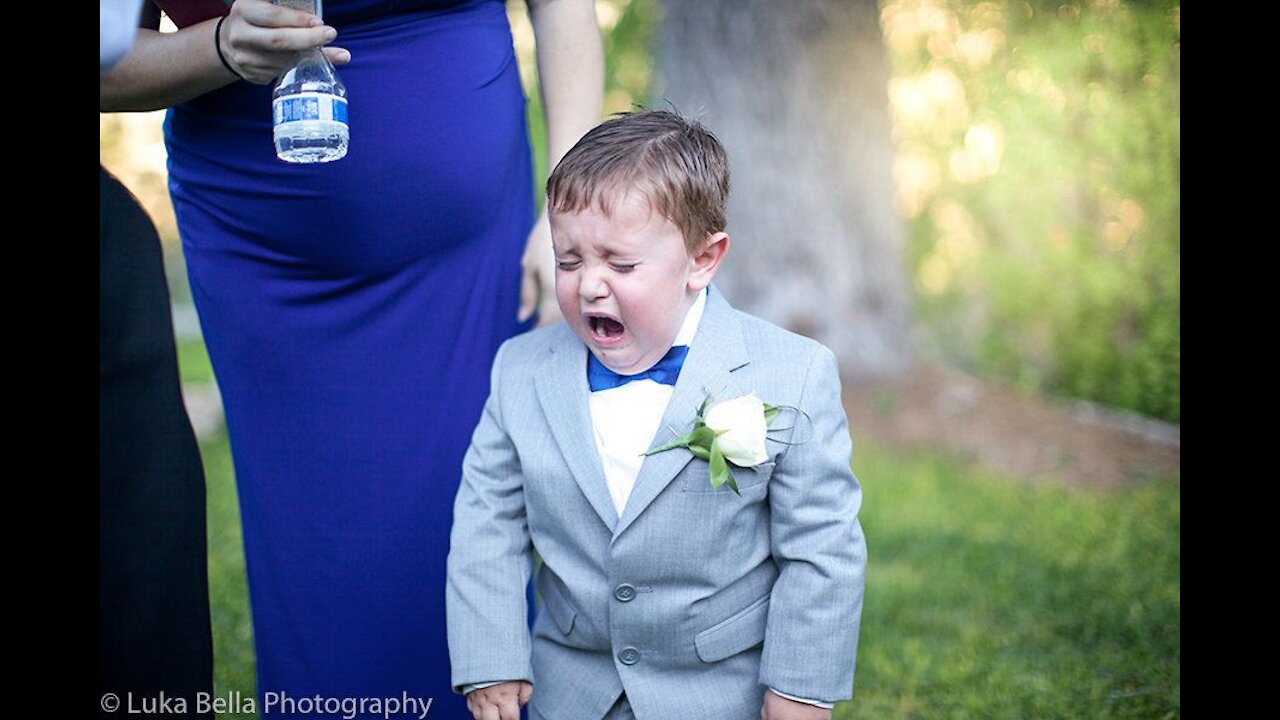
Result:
pixel 538 275
pixel 257 39
pixel 261 40
pixel 571 79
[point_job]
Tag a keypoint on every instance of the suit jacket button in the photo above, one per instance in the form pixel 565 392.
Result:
pixel 629 656
pixel 625 592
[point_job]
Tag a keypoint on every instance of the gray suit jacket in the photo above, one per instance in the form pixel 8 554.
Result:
pixel 694 600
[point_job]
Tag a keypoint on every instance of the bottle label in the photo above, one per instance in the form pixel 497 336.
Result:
pixel 309 106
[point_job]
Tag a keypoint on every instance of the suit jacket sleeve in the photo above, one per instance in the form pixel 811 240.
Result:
pixel 489 556
pixel 816 606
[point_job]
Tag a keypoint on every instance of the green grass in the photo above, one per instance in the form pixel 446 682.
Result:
pixel 228 597
pixel 987 597
pixel 193 361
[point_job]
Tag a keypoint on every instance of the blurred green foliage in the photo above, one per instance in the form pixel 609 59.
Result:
pixel 1038 170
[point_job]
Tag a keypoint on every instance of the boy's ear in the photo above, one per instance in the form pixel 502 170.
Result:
pixel 707 260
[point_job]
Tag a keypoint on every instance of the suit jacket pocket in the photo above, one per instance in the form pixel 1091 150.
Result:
pixel 555 602
pixel 699 480
pixel 741 631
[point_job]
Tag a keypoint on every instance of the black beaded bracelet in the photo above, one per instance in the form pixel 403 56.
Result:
pixel 217 45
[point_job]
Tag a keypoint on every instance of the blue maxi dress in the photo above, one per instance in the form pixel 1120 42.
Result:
pixel 351 311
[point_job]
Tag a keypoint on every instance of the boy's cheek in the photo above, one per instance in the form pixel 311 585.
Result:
pixel 565 296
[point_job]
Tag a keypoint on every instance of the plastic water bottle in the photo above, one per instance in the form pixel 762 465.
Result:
pixel 309 110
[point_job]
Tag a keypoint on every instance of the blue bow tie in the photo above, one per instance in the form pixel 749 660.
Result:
pixel 666 371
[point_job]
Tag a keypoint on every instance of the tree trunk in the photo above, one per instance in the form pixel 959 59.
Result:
pixel 796 91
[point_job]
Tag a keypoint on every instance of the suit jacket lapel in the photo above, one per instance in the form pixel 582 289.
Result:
pixel 716 351
pixel 563 390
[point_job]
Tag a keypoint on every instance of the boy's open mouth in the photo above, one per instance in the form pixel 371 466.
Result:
pixel 605 327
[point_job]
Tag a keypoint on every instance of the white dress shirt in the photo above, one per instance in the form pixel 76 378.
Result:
pixel 625 418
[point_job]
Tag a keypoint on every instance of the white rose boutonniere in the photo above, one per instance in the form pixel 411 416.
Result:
pixel 732 431
pixel 740 427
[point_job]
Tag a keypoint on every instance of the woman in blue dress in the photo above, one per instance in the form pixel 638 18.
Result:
pixel 351 309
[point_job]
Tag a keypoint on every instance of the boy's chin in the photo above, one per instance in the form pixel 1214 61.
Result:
pixel 607 359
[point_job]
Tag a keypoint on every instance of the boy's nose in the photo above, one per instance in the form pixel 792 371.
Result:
pixel 592 285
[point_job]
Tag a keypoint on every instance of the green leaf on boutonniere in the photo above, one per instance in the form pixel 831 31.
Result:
pixel 731 480
pixel 770 412
pixel 700 442
pixel 720 471
pixel 719 468
pixel 682 441
pixel 702 436
pixel 702 410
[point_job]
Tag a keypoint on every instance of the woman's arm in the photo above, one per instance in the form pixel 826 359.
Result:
pixel 570 69
pixel 571 75
pixel 259 40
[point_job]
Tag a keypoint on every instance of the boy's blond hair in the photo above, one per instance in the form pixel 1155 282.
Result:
pixel 677 164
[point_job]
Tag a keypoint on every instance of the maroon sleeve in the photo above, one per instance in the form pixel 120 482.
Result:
pixel 189 12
